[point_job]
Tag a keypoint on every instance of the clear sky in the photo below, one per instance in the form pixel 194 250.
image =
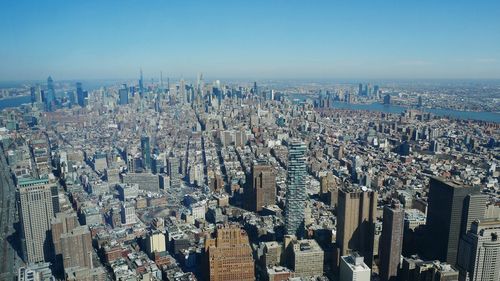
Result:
pixel 373 39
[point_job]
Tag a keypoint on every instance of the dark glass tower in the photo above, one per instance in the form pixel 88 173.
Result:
pixel 51 94
pixel 81 95
pixel 296 189
pixel 448 211
pixel 123 95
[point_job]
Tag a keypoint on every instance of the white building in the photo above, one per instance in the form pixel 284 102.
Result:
pixel 479 252
pixel 353 268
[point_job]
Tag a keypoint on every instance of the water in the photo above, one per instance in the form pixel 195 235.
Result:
pixel 396 109
pixel 14 102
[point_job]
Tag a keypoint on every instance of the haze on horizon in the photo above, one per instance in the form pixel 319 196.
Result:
pixel 252 39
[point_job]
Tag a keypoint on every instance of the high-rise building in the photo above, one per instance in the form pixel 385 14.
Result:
pixel 50 96
pixel 37 202
pixel 63 222
pixel 263 187
pixel 32 94
pixel 77 247
pixel 353 268
pixel 391 241
pixel 229 255
pixel 81 95
pixel 356 222
pixel 141 84
pixel 448 210
pixel 146 152
pixel 128 213
pixel 296 189
pixel 155 243
pixel 123 95
pixel 173 169
pixel 387 99
pixel 479 252
pixel 305 258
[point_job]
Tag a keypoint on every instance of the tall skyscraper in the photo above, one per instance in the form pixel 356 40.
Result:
pixel 146 152
pixel 77 247
pixel 296 189
pixel 37 202
pixel 81 95
pixel 173 169
pixel 123 95
pixel 62 223
pixel 479 252
pixel 262 187
pixel 32 94
pixel 229 255
pixel 447 212
pixel 141 84
pixel 356 222
pixel 391 241
pixel 50 96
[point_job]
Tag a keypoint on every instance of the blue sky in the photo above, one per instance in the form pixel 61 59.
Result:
pixel 250 39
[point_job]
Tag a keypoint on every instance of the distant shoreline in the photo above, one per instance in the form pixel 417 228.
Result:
pixel 14 97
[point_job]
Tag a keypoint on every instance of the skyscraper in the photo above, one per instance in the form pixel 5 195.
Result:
pixel 36 200
pixel 296 189
pixel 446 216
pixel 229 255
pixel 262 187
pixel 50 95
pixel 32 94
pixel 80 94
pixel 356 222
pixel 77 247
pixel 173 169
pixel 62 223
pixel 391 241
pixel 146 152
pixel 479 252
pixel 141 84
pixel 123 95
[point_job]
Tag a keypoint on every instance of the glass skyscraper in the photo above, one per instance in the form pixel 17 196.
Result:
pixel 296 189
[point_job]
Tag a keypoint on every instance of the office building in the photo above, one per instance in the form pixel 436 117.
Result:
pixel 229 255
pixel 123 95
pixel 77 247
pixel 50 95
pixel 295 194
pixel 305 258
pixel 448 211
pixel 128 213
pixel 81 95
pixel 263 187
pixel 155 243
pixel 146 152
pixel 356 221
pixel 173 169
pixel 63 222
pixel 479 252
pixel 353 268
pixel 37 202
pixel 391 241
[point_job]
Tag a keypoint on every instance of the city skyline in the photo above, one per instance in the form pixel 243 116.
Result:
pixel 258 40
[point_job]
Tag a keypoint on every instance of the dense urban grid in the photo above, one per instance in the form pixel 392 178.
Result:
pixel 223 181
